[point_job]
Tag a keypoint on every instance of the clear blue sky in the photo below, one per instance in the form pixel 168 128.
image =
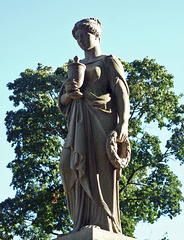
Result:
pixel 40 31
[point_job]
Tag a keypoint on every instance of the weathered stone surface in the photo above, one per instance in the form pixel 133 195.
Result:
pixel 94 234
pixel 96 147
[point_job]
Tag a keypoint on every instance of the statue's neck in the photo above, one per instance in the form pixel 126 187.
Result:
pixel 92 54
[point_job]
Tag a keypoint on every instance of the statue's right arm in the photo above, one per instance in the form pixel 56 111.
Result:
pixel 65 99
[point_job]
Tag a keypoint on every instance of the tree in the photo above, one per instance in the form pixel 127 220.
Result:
pixel 148 189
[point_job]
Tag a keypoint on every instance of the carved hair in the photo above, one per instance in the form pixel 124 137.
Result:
pixel 91 25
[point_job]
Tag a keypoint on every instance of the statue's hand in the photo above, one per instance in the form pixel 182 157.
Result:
pixel 122 131
pixel 70 85
pixel 72 89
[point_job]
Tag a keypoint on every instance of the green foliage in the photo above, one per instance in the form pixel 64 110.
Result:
pixel 148 189
pixel 36 131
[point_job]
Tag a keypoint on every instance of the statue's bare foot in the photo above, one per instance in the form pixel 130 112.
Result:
pixel 91 226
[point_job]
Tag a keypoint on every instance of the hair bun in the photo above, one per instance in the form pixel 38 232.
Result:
pixel 92 25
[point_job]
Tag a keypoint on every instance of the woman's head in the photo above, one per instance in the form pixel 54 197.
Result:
pixel 91 25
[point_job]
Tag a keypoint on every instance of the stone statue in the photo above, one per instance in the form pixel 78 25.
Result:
pixel 95 98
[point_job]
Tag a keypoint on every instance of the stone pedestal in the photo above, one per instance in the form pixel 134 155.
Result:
pixel 93 234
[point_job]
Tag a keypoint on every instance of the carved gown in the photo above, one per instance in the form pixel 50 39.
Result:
pixel 90 181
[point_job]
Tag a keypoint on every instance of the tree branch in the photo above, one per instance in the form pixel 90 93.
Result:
pixel 140 168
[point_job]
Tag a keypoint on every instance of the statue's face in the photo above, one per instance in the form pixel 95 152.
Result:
pixel 86 40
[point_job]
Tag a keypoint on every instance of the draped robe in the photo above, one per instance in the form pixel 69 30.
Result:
pixel 90 181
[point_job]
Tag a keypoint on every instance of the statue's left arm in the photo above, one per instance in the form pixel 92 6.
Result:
pixel 120 91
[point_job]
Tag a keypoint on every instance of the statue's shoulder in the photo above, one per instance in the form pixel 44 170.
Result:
pixel 110 56
pixel 112 60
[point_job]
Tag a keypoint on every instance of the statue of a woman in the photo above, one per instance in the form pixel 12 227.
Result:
pixel 89 178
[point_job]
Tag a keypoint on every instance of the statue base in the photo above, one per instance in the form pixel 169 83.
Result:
pixel 93 234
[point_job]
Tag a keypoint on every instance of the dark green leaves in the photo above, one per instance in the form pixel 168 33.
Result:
pixel 151 96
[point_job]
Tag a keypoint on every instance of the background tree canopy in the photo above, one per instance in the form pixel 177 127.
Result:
pixel 148 189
